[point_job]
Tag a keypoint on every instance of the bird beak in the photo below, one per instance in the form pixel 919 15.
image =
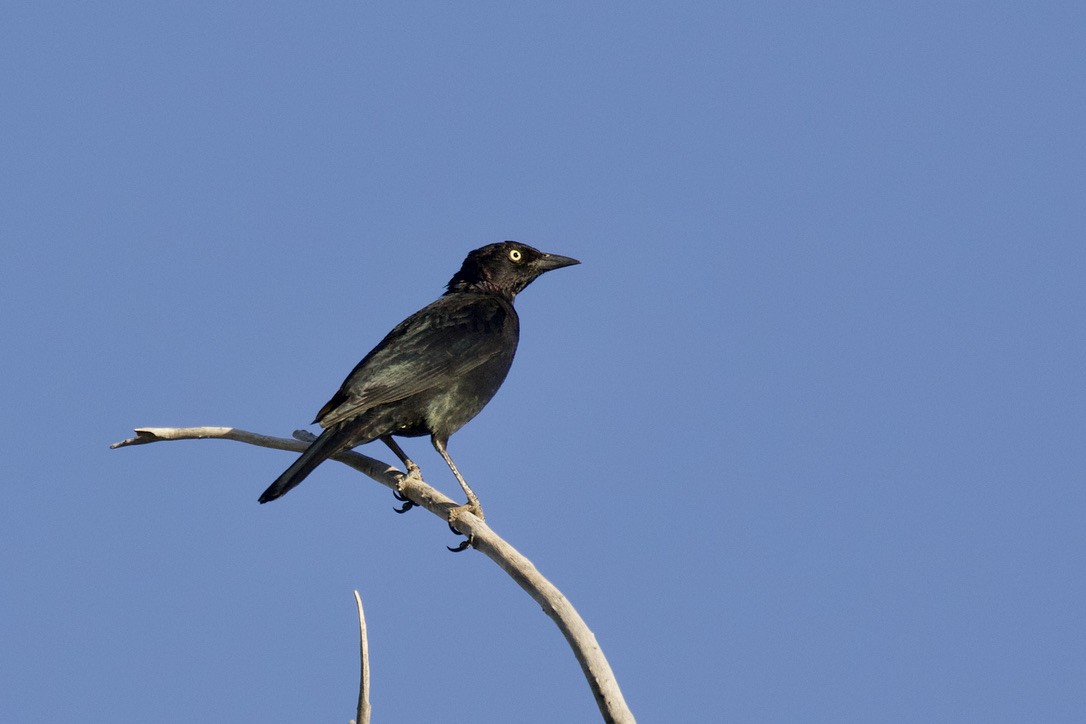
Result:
pixel 547 262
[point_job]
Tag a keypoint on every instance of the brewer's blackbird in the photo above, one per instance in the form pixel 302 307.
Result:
pixel 435 370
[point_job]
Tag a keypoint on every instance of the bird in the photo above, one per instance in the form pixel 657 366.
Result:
pixel 435 370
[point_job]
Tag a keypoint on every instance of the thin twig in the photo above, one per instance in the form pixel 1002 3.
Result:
pixel 593 663
pixel 363 716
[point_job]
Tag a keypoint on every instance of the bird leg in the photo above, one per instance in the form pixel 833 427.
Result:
pixel 412 472
pixel 473 505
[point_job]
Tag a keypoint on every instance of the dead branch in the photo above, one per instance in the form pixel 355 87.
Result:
pixel 579 637
pixel 363 715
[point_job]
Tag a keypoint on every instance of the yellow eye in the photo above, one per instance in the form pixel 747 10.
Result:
pixel 515 255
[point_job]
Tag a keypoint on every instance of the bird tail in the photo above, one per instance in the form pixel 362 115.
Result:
pixel 318 451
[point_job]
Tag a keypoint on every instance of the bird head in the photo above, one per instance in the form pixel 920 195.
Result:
pixel 505 268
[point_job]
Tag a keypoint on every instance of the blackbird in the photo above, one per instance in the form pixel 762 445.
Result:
pixel 435 370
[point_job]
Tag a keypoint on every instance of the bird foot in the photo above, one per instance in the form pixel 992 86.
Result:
pixel 414 475
pixel 472 506
pixel 475 509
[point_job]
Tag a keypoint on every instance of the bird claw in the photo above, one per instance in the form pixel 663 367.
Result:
pixel 413 473
pixel 475 509
pixel 408 504
pixel 464 544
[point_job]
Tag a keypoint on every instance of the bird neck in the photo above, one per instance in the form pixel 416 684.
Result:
pixel 480 286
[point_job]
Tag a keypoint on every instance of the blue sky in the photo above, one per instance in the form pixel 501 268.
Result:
pixel 801 439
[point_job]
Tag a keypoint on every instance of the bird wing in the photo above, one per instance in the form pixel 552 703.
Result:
pixel 436 344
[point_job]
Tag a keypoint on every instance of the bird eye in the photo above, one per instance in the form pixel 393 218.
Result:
pixel 515 255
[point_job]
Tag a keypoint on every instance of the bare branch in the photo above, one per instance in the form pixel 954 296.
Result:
pixel 379 471
pixel 363 716
pixel 580 638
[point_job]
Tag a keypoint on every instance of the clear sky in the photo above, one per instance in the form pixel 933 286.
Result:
pixel 802 438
